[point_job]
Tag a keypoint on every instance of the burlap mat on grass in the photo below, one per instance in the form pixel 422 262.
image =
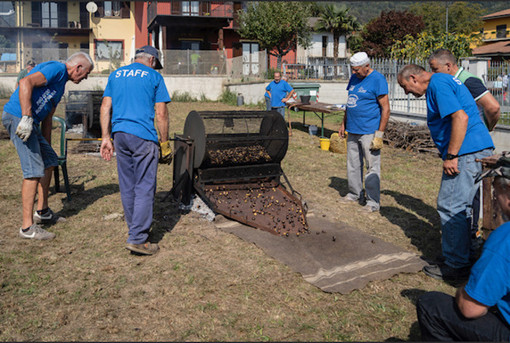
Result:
pixel 333 257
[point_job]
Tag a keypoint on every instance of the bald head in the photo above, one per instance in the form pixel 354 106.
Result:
pixel 408 70
pixel 79 65
pixel 80 57
pixel 414 79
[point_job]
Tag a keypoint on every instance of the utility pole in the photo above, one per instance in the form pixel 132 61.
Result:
pixel 447 2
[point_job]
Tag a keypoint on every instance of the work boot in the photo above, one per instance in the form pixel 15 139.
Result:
pixel 146 248
pixel 443 271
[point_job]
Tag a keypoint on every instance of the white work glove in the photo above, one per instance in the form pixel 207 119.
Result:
pixel 377 142
pixel 24 128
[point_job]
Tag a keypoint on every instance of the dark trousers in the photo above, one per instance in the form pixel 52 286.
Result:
pixel 137 165
pixel 441 320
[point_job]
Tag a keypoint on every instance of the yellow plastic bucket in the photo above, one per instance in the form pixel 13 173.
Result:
pixel 325 143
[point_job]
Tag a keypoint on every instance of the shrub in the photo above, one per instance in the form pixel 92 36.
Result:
pixel 183 97
pixel 227 97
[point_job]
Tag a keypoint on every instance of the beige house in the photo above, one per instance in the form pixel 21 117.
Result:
pixel 53 30
pixel 495 36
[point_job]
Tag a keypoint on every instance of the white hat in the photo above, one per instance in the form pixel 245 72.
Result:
pixel 359 59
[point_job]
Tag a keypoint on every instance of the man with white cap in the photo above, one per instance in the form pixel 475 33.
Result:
pixel 132 92
pixel 367 113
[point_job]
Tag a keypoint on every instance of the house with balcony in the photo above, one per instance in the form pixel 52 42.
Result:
pixel 43 30
pixel 54 30
pixel 201 34
pixel 320 56
pixel 195 36
pixel 495 36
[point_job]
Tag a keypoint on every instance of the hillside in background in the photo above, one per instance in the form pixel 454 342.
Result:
pixel 366 10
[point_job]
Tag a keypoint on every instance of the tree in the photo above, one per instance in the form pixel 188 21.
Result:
pixel 339 22
pixel 463 17
pixel 382 32
pixel 421 46
pixel 278 26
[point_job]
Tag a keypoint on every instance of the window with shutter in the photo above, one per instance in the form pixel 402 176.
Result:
pixel 62 14
pixel 176 7
pixel 125 11
pixel 100 9
pixel 36 13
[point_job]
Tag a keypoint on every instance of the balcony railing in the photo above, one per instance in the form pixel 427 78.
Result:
pixel 221 9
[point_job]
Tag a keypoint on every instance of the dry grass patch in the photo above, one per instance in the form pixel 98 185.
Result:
pixel 206 284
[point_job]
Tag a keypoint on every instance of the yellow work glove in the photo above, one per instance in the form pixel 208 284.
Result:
pixel 165 152
pixel 377 142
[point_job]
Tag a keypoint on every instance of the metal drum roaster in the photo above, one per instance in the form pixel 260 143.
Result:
pixel 232 160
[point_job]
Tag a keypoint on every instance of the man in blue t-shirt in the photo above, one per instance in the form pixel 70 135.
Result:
pixel 33 103
pixel 461 138
pixel 367 113
pixel 443 61
pixel 279 92
pixel 480 310
pixel 131 93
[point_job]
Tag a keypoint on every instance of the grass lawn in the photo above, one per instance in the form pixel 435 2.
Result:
pixel 204 284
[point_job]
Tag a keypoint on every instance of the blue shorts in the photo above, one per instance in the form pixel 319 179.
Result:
pixel 36 154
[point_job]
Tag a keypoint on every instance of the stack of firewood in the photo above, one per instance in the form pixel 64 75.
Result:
pixel 409 137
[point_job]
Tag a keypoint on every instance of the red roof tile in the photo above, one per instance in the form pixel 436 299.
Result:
pixel 504 13
pixel 493 48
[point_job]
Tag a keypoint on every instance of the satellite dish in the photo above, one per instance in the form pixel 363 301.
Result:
pixel 91 7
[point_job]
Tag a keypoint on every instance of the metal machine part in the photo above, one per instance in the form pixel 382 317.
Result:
pixel 84 107
pixel 232 160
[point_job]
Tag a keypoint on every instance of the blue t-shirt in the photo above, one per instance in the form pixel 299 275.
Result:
pixel 363 110
pixel 134 90
pixel 489 282
pixel 446 95
pixel 44 98
pixel 278 92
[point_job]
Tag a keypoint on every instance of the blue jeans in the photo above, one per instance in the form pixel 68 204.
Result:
pixel 454 206
pixel 36 154
pixel 137 166
pixel 280 110
pixel 441 320
pixel 268 103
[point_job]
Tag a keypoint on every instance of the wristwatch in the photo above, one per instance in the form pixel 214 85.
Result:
pixel 451 156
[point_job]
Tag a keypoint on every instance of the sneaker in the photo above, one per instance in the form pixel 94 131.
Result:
pixel 445 272
pixel 348 198
pixel 146 248
pixel 48 218
pixel 369 209
pixel 36 232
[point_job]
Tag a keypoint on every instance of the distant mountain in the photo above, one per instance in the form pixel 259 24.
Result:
pixel 366 10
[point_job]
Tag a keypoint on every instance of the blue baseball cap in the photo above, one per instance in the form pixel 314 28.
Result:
pixel 151 51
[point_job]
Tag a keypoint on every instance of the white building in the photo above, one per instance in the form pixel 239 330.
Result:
pixel 319 55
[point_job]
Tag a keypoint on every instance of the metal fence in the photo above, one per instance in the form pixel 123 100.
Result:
pixel 323 68
pixel 175 62
pixel 248 67
pixel 194 62
pixel 496 78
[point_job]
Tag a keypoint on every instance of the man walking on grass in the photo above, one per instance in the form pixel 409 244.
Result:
pixel 132 93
